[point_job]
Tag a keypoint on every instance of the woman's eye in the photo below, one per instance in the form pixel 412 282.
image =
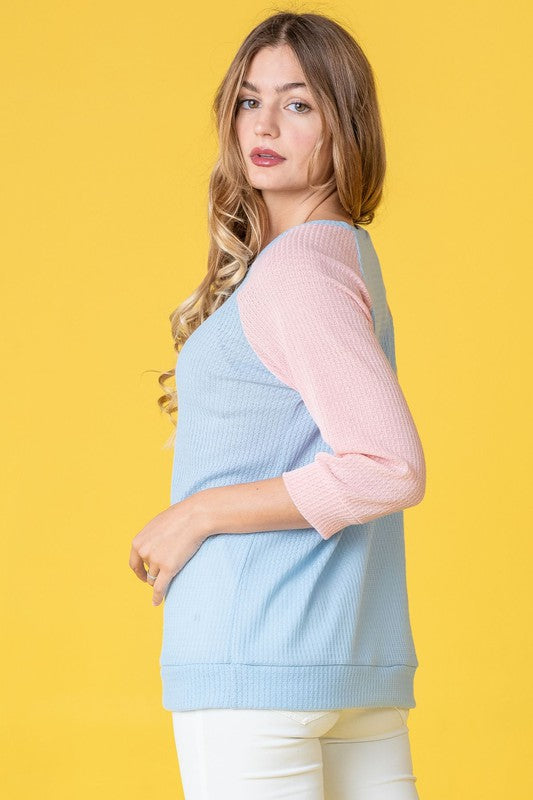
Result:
pixel 298 103
pixel 246 100
pixel 295 103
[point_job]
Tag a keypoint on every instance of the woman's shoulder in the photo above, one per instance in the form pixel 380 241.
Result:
pixel 307 265
pixel 312 248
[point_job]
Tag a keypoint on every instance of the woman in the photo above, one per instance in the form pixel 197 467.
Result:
pixel 287 658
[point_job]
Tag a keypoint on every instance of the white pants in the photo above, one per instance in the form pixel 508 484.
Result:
pixel 351 754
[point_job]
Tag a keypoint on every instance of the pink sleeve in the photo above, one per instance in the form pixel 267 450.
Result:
pixel 307 316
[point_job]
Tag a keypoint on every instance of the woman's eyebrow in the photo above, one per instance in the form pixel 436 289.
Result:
pixel 285 87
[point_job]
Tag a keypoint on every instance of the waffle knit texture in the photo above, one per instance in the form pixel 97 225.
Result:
pixel 294 375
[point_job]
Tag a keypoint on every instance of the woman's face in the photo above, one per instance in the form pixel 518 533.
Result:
pixel 286 121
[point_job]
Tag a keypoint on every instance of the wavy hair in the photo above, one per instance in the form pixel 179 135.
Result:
pixel 342 82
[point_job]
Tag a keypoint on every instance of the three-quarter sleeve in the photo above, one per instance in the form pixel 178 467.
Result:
pixel 307 314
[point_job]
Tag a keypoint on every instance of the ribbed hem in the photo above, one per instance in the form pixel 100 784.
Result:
pixel 194 686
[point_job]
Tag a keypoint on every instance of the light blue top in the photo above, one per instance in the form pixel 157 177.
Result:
pixel 278 619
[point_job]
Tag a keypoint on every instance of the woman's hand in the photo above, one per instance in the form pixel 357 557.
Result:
pixel 166 543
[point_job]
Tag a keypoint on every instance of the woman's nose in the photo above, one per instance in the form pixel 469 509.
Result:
pixel 265 122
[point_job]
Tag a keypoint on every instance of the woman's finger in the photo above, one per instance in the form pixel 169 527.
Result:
pixel 152 574
pixel 137 564
pixel 160 586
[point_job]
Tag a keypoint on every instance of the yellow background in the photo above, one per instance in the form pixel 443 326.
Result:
pixel 107 143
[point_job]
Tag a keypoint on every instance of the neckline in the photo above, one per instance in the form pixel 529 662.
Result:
pixel 340 222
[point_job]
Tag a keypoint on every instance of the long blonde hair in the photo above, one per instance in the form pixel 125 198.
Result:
pixel 342 82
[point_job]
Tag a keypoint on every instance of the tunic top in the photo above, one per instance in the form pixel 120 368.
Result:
pixel 294 375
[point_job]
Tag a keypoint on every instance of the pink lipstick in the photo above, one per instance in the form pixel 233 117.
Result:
pixel 265 157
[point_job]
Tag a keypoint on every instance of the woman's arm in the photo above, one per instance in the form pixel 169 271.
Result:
pixel 247 508
pixel 307 314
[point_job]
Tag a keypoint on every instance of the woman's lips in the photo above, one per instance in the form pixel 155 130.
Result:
pixel 266 161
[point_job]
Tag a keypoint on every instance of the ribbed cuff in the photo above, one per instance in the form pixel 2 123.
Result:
pixel 313 503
